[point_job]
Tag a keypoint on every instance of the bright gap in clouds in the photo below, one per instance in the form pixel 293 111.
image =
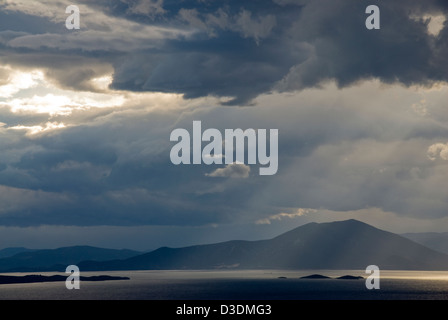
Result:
pixel 56 104
pixel 31 130
pixel 31 92
pixel 13 81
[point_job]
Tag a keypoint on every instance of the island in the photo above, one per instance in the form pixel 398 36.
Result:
pixel 320 276
pixel 349 277
pixel 315 276
pixel 40 278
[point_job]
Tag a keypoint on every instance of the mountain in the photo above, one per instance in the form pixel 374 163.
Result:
pixel 8 252
pixel 435 240
pixel 346 244
pixel 59 259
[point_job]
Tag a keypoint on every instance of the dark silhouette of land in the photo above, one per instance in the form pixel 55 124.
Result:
pixel 320 276
pixel 339 245
pixel 40 278
pixel 435 240
pixel 315 276
pixel 26 260
pixel 9 252
pixel 349 277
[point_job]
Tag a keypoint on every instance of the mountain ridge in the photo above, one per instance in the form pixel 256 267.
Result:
pixel 435 240
pixel 59 258
pixel 348 244
pixel 11 251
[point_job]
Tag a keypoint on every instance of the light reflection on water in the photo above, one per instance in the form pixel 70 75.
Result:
pixel 422 275
pixel 239 285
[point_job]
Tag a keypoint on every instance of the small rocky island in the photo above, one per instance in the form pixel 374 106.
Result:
pixel 40 278
pixel 315 276
pixel 319 276
pixel 349 277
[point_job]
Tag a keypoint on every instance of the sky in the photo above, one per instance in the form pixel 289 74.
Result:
pixel 86 116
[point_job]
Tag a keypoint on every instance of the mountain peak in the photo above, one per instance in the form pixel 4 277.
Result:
pixel 348 222
pixel 347 244
pixel 349 226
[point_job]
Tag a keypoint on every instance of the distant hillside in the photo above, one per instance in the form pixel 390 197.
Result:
pixel 9 252
pixel 337 245
pixel 59 259
pixel 434 240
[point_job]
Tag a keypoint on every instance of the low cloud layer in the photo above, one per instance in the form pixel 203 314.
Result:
pixel 233 170
pixel 438 150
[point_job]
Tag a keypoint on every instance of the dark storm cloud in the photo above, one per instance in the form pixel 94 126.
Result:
pixel 401 51
pixel 285 46
pixel 237 49
pixel 241 49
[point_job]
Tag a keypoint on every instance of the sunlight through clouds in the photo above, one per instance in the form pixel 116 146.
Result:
pixel 18 80
pixel 32 130
pixel 102 83
pixel 280 216
pixel 64 104
pixel 31 92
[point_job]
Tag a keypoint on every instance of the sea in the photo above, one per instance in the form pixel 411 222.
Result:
pixel 237 285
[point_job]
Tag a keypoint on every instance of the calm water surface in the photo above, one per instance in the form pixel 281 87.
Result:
pixel 247 285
